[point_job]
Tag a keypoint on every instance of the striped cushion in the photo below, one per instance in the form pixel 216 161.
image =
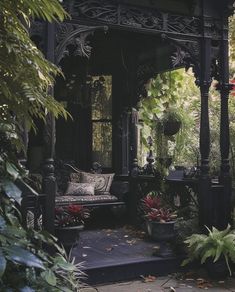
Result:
pixel 66 200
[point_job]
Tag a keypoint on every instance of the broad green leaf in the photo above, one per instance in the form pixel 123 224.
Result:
pixel 49 276
pixel 12 191
pixel 63 264
pixel 12 170
pixel 2 223
pixel 22 256
pixel 27 289
pixel 219 251
pixel 65 289
pixel 209 253
pixel 27 186
pixel 2 263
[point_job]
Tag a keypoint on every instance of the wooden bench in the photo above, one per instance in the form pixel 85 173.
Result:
pixel 67 172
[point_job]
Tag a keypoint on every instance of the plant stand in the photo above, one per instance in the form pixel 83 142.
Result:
pixel 68 236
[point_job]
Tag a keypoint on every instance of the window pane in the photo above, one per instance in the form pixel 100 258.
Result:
pixel 101 97
pixel 102 143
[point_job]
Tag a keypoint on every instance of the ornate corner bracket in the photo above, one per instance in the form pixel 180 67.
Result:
pixel 76 35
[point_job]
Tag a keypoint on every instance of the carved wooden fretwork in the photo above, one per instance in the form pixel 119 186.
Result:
pixel 113 13
pixel 187 54
pixel 75 35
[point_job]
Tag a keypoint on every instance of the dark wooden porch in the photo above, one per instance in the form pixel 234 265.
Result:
pixel 124 253
pixel 132 43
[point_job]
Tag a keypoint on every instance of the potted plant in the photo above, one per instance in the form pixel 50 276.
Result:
pixel 215 250
pixel 69 221
pixel 171 122
pixel 160 219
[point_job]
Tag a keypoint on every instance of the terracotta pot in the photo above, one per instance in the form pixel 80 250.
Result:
pixel 161 231
pixel 68 236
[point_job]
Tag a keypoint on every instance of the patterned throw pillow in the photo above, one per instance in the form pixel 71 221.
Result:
pixel 75 176
pixel 102 181
pixel 80 189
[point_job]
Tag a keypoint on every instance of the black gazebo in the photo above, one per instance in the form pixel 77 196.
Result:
pixel 128 42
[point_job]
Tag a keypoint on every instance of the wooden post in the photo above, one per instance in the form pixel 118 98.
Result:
pixel 133 136
pixel 25 140
pixel 224 87
pixel 205 200
pixel 49 181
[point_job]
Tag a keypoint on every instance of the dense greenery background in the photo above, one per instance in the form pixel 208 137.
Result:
pixel 177 89
pixel 25 79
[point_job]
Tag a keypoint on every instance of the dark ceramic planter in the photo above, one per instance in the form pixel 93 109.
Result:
pixel 68 236
pixel 171 128
pixel 217 270
pixel 161 231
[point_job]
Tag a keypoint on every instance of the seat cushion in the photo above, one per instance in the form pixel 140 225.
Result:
pixel 66 200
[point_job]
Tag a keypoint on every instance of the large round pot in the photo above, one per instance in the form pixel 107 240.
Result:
pixel 171 127
pixel 161 231
pixel 69 235
pixel 217 270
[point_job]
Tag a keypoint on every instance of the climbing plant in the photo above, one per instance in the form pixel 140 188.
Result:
pixel 170 92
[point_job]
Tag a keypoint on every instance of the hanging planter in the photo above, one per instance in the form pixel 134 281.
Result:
pixel 171 123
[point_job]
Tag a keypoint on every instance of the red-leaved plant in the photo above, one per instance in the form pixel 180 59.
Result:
pixel 71 215
pixel 155 211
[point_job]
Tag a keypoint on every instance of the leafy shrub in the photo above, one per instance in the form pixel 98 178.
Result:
pixel 215 245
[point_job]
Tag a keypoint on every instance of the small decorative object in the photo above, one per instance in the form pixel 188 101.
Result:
pixel 215 250
pixel 171 122
pixel 149 167
pixel 69 221
pixel 160 221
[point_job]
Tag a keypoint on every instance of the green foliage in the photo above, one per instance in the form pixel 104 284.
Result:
pixel 178 98
pixel 23 262
pixel 25 75
pixel 215 245
pixel 25 80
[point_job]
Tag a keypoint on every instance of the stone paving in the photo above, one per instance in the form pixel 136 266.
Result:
pixel 166 284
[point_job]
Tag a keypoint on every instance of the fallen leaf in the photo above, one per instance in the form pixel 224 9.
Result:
pixel 203 284
pixel 131 241
pixel 148 278
pixel 156 247
pixel 109 248
pixel 108 230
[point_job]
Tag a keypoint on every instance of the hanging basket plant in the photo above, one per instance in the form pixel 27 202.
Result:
pixel 171 123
